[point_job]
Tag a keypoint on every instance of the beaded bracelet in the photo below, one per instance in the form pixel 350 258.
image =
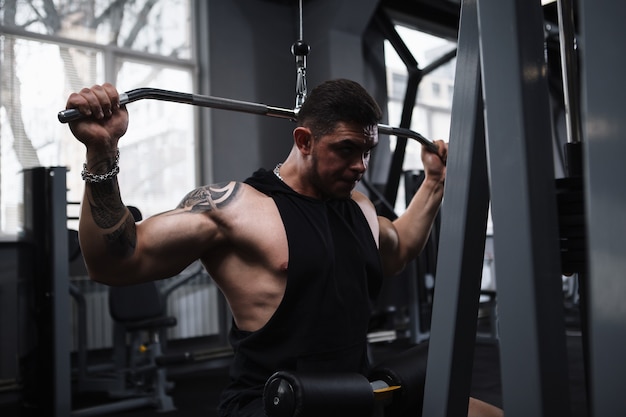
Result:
pixel 96 178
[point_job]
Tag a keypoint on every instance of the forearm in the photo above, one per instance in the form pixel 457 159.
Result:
pixel 107 229
pixel 414 225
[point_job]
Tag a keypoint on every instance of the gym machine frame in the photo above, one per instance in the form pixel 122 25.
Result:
pixel 514 121
pixel 510 78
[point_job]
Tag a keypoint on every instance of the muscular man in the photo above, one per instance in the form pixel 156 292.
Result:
pixel 297 252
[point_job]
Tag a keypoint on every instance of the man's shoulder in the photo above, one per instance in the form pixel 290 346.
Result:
pixel 369 211
pixel 221 196
pixel 363 201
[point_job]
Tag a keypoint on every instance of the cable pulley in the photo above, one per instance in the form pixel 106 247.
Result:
pixel 300 50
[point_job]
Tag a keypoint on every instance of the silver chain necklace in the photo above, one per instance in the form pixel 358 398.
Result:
pixel 277 171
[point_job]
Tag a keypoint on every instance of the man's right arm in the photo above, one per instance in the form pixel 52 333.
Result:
pixel 116 250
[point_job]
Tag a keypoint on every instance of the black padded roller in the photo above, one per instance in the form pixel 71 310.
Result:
pixel 305 394
pixel 407 369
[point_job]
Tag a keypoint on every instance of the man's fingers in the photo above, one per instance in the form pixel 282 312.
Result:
pixel 113 94
pixel 98 101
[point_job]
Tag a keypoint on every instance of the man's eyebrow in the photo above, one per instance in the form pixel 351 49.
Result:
pixel 355 142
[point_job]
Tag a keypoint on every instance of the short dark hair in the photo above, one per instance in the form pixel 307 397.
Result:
pixel 337 101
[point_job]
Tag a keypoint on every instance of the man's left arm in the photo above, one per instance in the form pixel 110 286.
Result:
pixel 403 239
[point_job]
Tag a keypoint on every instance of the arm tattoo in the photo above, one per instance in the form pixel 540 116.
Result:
pixel 122 242
pixel 108 210
pixel 211 197
pixel 106 205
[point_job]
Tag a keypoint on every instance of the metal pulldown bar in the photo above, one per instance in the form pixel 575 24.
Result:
pixel 70 115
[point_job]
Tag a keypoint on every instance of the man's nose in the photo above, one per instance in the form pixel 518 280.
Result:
pixel 361 163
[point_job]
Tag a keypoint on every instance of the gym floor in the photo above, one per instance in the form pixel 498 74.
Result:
pixel 196 392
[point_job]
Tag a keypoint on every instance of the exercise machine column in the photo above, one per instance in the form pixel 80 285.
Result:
pixel 523 196
pixel 462 237
pixel 604 147
pixel 45 354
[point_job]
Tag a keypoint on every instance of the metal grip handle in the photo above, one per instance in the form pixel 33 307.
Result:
pixel 70 115
pixel 408 133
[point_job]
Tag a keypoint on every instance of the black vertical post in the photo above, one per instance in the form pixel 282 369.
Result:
pixel 462 237
pixel 45 359
pixel 524 210
pixel 604 147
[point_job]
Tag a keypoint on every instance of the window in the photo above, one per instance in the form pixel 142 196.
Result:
pixel 436 87
pixel 397 89
pixel 50 49
pixel 432 111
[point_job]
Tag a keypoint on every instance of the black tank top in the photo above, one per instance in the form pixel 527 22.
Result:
pixel 334 274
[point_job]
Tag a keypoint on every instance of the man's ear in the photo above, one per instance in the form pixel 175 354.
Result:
pixel 303 137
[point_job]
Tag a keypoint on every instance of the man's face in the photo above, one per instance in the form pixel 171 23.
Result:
pixel 341 158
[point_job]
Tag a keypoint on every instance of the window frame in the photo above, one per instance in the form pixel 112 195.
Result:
pixel 112 55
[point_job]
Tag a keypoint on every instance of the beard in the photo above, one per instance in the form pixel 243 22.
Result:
pixel 328 186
